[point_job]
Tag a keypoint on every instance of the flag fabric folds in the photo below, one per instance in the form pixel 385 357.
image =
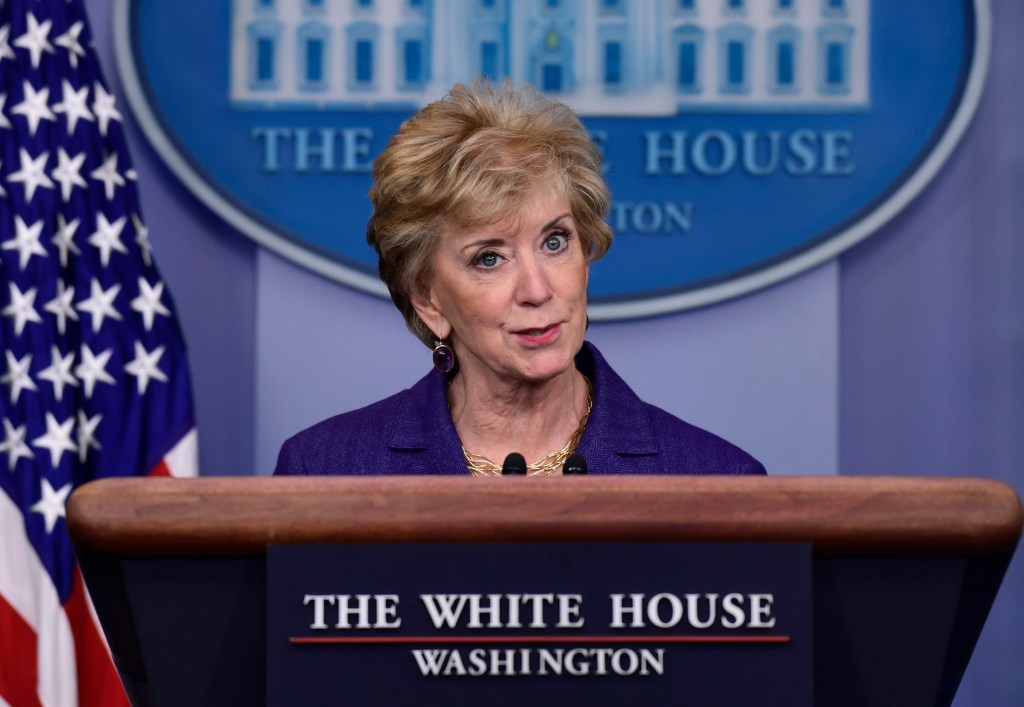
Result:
pixel 93 376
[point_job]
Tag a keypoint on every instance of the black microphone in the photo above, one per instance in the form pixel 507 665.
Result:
pixel 575 464
pixel 515 464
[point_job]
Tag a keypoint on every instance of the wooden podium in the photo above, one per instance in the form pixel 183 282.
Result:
pixel 904 569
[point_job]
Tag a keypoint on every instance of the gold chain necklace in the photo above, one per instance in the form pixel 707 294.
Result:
pixel 482 466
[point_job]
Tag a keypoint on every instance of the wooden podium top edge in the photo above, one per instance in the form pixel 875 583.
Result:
pixel 839 515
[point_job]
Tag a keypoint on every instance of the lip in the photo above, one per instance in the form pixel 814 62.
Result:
pixel 538 336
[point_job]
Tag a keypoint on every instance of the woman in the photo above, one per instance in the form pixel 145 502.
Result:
pixel 489 206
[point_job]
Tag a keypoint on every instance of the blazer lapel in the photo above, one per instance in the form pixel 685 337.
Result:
pixel 423 423
pixel 619 424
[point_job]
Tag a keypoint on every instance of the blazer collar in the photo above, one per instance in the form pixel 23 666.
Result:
pixel 618 423
pixel 423 423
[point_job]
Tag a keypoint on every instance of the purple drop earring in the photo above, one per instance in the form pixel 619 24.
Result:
pixel 444 357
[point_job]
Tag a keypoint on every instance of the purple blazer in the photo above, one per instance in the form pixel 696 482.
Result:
pixel 412 433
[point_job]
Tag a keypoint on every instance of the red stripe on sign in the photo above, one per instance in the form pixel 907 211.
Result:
pixel 161 469
pixel 98 683
pixel 535 639
pixel 18 672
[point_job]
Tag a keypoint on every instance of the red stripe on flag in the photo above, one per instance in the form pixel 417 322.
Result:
pixel 98 683
pixel 18 672
pixel 160 469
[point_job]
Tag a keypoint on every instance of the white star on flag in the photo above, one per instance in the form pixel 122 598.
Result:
pixel 36 39
pixel 51 505
pixel 108 174
pixel 22 308
pixel 59 371
pixel 57 439
pixel 73 105
pixel 148 302
pixel 4 123
pixel 144 366
pixel 60 306
pixel 63 239
pixel 93 369
pixel 100 303
pixel 26 241
pixel 34 106
pixel 107 237
pixel 69 41
pixel 104 108
pixel 68 172
pixel 5 48
pixel 142 239
pixel 14 444
pixel 87 434
pixel 17 375
pixel 32 173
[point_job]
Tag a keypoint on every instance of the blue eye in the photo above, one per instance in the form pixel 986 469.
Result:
pixel 488 260
pixel 555 242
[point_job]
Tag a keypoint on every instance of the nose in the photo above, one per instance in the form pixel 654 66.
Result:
pixel 532 284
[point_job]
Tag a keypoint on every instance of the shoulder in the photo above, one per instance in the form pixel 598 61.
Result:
pixel 340 442
pixel 629 436
pixel 694 450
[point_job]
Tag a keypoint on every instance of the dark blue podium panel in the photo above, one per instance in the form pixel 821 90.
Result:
pixel 497 624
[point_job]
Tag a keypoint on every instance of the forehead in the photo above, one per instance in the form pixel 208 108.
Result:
pixel 528 211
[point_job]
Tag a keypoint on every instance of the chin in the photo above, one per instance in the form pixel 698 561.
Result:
pixel 549 365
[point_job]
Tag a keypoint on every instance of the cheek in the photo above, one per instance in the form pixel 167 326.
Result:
pixel 576 284
pixel 477 307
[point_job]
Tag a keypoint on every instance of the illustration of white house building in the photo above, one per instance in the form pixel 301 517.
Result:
pixel 603 57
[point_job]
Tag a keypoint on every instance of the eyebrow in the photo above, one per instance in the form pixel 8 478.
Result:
pixel 483 243
pixel 553 222
pixel 496 241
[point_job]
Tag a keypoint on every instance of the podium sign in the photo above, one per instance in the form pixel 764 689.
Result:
pixel 646 623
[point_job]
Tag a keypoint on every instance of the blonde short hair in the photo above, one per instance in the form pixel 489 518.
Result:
pixel 470 159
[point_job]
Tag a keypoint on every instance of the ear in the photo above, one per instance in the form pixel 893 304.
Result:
pixel 431 315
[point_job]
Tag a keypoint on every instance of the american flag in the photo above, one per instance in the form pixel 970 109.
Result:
pixel 93 376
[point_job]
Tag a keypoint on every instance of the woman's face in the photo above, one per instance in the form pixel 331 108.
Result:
pixel 512 296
